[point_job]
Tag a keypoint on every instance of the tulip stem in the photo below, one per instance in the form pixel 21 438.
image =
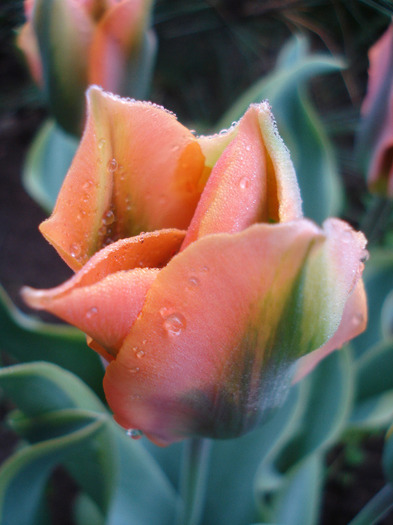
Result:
pixel 196 456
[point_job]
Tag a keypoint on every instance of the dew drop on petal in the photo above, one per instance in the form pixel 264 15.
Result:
pixel 364 256
pixel 164 311
pixel 75 250
pixel 91 312
pixel 357 319
pixel 174 324
pixel 134 370
pixel 244 183
pixel 112 166
pixel 108 218
pixel 101 144
pixel 133 433
pixel 193 281
pixel 87 185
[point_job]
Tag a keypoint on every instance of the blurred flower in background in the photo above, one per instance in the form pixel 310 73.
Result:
pixel 376 128
pixel 70 44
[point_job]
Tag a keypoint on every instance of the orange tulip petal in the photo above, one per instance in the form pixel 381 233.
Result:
pixel 218 324
pixel 353 323
pixel 137 169
pixel 93 300
pixel 251 181
pixel 105 310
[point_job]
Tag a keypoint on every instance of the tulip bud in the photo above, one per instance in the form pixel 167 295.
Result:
pixel 376 132
pixel 197 278
pixel 70 44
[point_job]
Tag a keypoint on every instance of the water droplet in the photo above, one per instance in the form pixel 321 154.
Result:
pixel 176 147
pixel 175 323
pixel 357 319
pixel 112 166
pixel 144 341
pixel 205 269
pixel 133 433
pixel 364 256
pixel 134 370
pixel 108 218
pixel 244 183
pixel 248 147
pixel 75 250
pixel 101 144
pixel 92 312
pixel 87 185
pixel 164 311
pixel 193 281
pixel 139 353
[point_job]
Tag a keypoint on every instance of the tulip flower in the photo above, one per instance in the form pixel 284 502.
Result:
pixel 70 44
pixel 376 132
pixel 197 278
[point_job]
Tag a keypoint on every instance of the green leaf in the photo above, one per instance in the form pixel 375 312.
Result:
pixel 373 401
pixel 378 279
pixel 38 388
pixel 24 475
pixel 387 459
pixel 117 473
pixel 47 163
pixel 138 483
pixel 28 339
pixel 299 124
pixel 298 501
pixel 86 512
pixel 329 392
pixel 49 425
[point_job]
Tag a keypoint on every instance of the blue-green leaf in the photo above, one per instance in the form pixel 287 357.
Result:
pixel 27 339
pixel 24 475
pixel 47 163
pixel 373 402
pixel 298 501
pixel 328 403
pixel 378 278
pixel 38 388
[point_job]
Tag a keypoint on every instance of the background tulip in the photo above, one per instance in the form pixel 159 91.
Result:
pixel 70 44
pixel 202 318
pixel 376 130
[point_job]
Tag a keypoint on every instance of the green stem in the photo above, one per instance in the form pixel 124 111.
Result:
pixel 193 480
pixel 376 508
